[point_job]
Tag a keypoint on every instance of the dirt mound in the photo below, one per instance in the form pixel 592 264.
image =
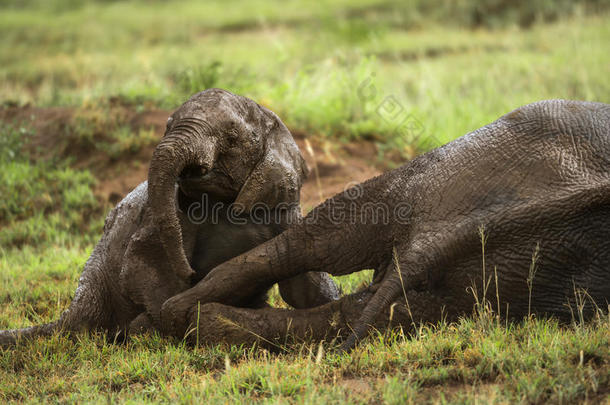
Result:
pixel 333 165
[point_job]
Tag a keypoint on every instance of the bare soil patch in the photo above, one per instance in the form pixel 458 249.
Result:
pixel 333 165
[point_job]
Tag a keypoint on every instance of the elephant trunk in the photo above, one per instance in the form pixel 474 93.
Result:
pixel 190 143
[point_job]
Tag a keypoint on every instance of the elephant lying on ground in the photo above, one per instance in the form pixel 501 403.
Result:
pixel 220 148
pixel 537 177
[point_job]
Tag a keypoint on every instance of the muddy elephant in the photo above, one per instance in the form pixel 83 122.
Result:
pixel 538 181
pixel 223 155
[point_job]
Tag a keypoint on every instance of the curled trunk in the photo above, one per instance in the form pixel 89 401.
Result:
pixel 187 145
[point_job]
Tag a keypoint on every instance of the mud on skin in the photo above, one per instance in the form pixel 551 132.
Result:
pixel 538 176
pixel 217 144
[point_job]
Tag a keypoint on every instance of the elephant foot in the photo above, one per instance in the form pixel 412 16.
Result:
pixel 141 324
pixel 273 328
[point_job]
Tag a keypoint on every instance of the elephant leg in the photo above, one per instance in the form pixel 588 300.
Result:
pixel 309 290
pixel 141 324
pixel 273 327
pixel 292 253
pixel 146 278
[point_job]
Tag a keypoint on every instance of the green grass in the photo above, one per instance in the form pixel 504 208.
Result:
pixel 43 201
pixel 535 361
pixel 308 64
pixel 333 71
pixel 531 362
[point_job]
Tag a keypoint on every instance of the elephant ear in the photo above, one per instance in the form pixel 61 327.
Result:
pixel 278 176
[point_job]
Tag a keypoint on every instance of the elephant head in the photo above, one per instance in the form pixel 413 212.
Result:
pixel 229 147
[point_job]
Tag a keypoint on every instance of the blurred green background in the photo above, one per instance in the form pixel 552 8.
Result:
pixel 455 64
pixel 86 86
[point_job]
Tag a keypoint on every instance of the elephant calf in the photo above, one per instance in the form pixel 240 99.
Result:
pixel 223 151
pixel 537 179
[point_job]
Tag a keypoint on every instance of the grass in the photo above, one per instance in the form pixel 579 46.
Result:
pixel 408 75
pixel 531 362
pixel 311 65
pixel 44 201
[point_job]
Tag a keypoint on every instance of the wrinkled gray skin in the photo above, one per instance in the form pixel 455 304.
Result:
pixel 227 148
pixel 538 175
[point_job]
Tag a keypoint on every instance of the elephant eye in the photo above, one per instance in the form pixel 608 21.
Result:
pixel 231 138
